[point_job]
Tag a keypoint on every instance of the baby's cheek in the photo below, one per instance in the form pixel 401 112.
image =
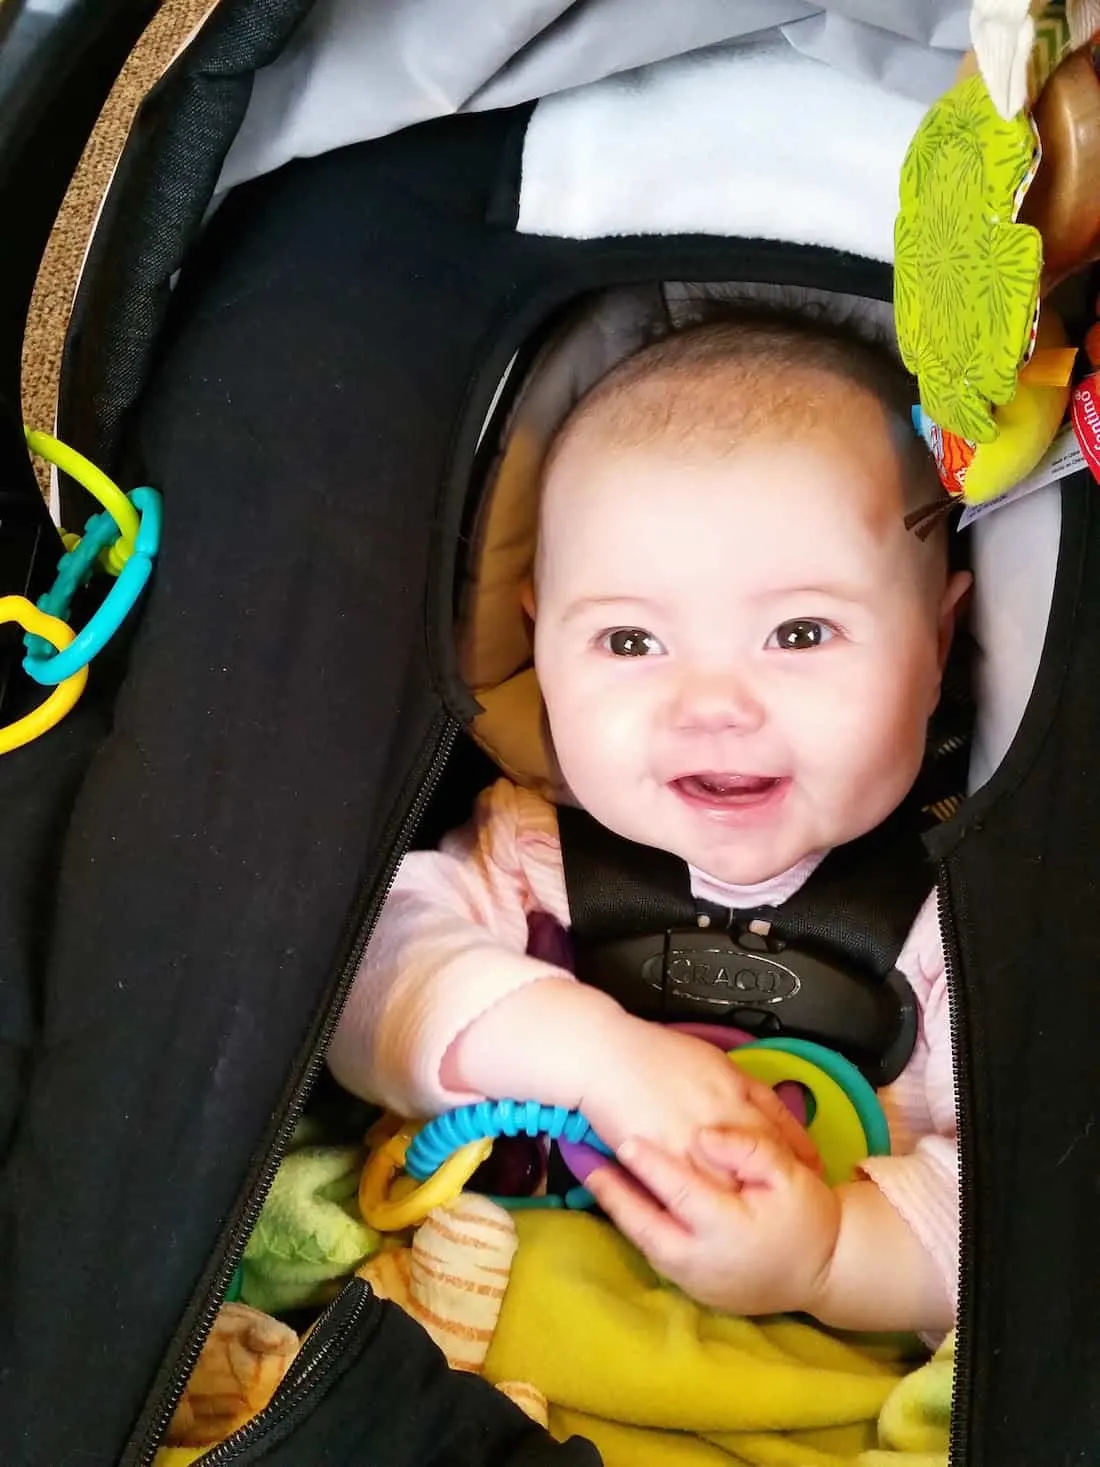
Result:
pixel 580 734
pixel 886 754
pixel 601 752
pixel 836 726
pixel 865 748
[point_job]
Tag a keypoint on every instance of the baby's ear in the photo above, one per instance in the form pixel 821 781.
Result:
pixel 527 597
pixel 954 595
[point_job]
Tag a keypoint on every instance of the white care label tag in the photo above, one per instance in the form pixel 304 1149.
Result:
pixel 1062 458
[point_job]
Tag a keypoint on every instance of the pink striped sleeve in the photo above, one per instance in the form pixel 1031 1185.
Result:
pixel 450 943
pixel 921 1178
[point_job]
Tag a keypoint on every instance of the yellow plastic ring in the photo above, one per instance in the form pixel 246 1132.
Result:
pixel 836 1128
pixel 103 489
pixel 408 1203
pixel 63 698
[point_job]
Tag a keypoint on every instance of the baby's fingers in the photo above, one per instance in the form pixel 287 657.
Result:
pixel 637 1215
pixel 683 1192
pixel 795 1136
pixel 754 1160
pixel 664 1233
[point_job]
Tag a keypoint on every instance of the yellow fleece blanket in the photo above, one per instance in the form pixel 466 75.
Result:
pixel 566 1318
pixel 656 1381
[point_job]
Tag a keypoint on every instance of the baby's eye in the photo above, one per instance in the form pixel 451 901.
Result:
pixel 631 642
pixel 800 635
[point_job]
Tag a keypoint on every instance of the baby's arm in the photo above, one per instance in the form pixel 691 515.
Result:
pixel 449 946
pixel 566 1044
pixel 880 1276
pixel 447 1007
pixel 897 1255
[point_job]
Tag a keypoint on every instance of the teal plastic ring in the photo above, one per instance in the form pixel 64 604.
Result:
pixel 855 1085
pixel 57 666
pixel 577 1199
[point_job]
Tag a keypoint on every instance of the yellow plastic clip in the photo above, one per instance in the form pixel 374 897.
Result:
pixel 63 697
pixel 102 489
pixel 389 1209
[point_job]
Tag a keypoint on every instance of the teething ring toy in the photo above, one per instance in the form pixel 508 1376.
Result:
pixel 440 1156
pixel 389 1207
pixel 582 1158
pixel 488 1119
pixel 63 698
pixel 54 666
pixel 492 1118
pixel 851 1080
pixel 728 1036
pixel 836 1128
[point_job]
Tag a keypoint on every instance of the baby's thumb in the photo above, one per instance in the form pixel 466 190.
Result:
pixel 796 1136
pixel 754 1159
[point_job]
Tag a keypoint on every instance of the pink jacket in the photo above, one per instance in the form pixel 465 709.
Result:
pixel 451 942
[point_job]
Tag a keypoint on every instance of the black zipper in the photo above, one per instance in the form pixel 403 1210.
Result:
pixel 959 1425
pixel 325 1348
pixel 395 842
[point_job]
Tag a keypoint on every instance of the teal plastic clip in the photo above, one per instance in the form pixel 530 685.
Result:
pixel 44 663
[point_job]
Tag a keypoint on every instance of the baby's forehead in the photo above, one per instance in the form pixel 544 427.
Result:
pixel 828 420
pixel 720 409
pixel 795 495
pixel 718 406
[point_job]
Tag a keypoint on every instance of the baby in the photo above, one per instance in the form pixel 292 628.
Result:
pixel 739 645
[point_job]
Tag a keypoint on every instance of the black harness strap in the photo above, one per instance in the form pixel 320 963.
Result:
pixel 819 967
pixel 858 904
pixel 617 888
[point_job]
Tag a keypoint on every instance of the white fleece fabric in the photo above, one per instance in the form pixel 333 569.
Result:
pixel 750 141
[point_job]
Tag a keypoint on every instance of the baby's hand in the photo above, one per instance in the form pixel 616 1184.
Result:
pixel 759 1240
pixel 652 1083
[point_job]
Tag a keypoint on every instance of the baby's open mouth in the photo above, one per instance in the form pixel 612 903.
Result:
pixel 711 788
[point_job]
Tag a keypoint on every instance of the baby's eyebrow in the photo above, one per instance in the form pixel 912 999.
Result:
pixel 585 604
pixel 833 590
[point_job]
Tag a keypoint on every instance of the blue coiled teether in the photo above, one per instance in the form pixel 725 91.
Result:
pixel 443 1136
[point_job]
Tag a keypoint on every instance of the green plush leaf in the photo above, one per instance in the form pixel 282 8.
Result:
pixel 966 280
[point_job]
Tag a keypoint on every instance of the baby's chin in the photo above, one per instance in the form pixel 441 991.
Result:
pixel 743 855
pixel 748 857
pixel 746 870
pixel 747 861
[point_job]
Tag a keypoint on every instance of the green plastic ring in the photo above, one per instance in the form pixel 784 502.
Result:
pixel 836 1128
pixel 855 1085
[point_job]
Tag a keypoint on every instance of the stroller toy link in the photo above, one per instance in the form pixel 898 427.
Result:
pixel 122 540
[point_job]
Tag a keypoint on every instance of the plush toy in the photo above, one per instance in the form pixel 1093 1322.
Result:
pixel 559 1313
pixel 1026 425
pixel 245 1357
pixel 966 274
pixel 451 1277
pixel 309 1235
pixel 997 207
pixel 1063 202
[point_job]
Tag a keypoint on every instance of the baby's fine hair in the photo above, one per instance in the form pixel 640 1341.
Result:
pixel 746 372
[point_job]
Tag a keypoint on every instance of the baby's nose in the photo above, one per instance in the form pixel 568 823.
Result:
pixel 714 701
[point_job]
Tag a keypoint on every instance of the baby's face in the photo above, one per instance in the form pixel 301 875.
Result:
pixel 739 654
